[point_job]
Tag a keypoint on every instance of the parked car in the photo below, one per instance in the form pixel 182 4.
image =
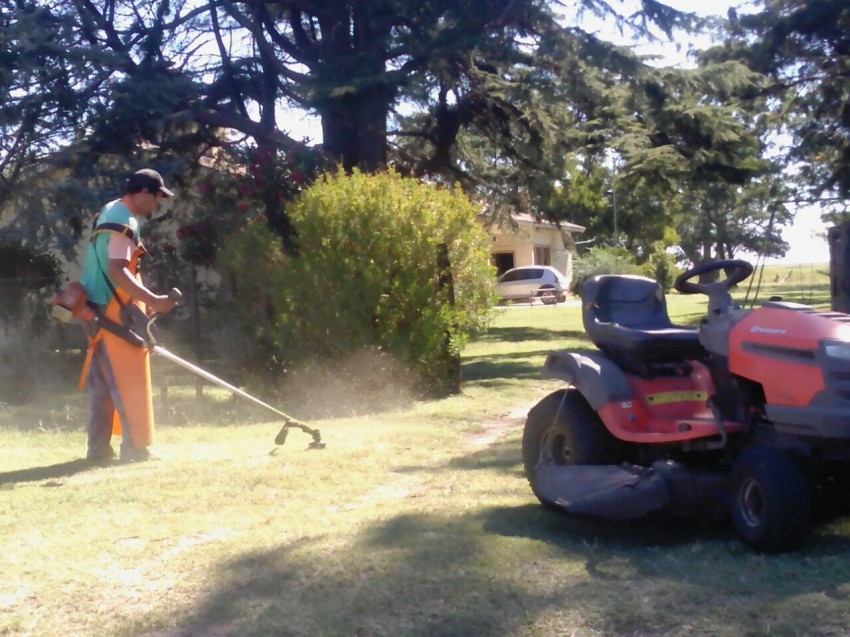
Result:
pixel 530 282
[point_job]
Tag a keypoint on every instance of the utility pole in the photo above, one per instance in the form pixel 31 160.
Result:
pixel 613 193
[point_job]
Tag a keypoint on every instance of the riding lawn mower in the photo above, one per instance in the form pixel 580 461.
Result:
pixel 747 415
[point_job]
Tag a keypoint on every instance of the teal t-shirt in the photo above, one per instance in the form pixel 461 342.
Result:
pixel 96 259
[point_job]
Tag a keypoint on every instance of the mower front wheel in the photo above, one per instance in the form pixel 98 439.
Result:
pixel 769 500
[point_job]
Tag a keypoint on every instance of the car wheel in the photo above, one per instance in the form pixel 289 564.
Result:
pixel 769 500
pixel 549 295
pixel 563 429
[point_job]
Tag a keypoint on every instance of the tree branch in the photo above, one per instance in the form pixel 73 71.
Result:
pixel 93 18
pixel 226 62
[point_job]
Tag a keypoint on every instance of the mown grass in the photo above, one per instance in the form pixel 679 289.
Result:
pixel 415 522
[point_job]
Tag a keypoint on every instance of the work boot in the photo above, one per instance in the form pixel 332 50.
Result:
pixel 101 455
pixel 137 455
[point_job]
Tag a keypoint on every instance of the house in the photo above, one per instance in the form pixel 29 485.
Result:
pixel 529 241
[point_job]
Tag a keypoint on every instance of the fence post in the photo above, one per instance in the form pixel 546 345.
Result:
pixel 196 326
pixel 839 267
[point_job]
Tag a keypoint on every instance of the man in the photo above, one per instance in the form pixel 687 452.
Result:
pixel 117 371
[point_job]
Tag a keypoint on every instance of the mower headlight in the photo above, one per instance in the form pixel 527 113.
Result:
pixel 841 351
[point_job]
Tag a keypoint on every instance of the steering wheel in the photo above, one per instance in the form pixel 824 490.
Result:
pixel 736 271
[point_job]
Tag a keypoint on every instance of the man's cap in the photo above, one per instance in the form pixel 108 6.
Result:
pixel 150 179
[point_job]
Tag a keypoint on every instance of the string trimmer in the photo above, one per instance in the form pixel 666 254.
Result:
pixel 71 303
pixel 289 421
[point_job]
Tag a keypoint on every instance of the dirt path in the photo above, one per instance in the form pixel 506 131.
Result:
pixel 496 428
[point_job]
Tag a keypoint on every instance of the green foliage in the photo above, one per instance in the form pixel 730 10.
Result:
pixel 661 266
pixel 601 260
pixel 494 88
pixel 579 195
pixel 724 220
pixel 693 126
pixel 804 47
pixel 496 94
pixel 369 274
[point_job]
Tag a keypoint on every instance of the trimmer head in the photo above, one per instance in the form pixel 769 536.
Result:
pixel 284 431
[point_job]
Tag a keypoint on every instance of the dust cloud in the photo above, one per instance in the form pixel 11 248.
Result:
pixel 366 382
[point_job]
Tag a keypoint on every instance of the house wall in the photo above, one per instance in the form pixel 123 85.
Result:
pixel 522 242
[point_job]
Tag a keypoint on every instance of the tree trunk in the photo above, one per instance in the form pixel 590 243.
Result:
pixel 355 131
pixel 356 91
pixel 276 216
pixel 707 277
pixel 450 360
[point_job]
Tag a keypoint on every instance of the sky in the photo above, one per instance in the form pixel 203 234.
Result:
pixel 806 236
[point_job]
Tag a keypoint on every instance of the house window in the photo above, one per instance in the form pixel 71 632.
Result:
pixel 542 255
pixel 503 261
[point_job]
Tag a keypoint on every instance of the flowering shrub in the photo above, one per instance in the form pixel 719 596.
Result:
pixel 240 185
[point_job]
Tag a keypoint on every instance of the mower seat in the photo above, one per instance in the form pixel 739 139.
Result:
pixel 626 317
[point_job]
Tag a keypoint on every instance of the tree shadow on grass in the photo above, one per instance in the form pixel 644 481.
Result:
pixel 49 472
pixel 539 522
pixel 503 571
pixel 524 333
pixel 562 529
pixel 516 365
pixel 568 531
pixel 559 527
pixel 504 456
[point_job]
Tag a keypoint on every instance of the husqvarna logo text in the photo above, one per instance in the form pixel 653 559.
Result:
pixel 758 329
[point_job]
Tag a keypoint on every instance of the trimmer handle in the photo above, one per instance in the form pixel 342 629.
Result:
pixel 175 295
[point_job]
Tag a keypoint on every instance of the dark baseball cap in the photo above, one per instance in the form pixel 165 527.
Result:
pixel 150 179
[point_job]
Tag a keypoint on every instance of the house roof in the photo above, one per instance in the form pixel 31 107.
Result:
pixel 525 219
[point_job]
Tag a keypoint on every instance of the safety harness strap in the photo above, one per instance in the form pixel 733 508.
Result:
pixel 117 227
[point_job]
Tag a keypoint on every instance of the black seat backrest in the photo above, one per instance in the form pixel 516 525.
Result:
pixel 631 301
pixel 626 317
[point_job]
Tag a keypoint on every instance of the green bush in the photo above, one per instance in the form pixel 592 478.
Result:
pixel 660 266
pixel 601 260
pixel 384 263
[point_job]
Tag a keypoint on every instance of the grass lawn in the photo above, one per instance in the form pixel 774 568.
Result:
pixel 412 523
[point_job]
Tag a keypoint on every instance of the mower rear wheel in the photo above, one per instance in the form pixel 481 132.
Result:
pixel 769 500
pixel 563 429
